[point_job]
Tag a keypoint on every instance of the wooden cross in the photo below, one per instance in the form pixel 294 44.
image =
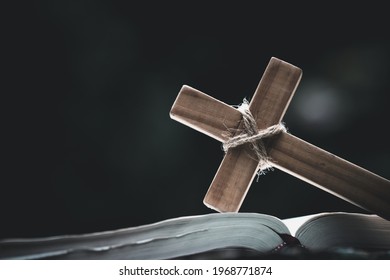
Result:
pixel 287 152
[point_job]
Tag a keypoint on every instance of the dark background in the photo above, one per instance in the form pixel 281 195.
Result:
pixel 88 86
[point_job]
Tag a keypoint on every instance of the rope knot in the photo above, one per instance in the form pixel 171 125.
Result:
pixel 252 135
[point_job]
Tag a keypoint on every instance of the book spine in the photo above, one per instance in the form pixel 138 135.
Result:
pixel 288 242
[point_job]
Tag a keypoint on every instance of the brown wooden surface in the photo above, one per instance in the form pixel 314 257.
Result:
pixel 288 152
pixel 274 92
pixel 268 105
pixel 204 113
pixel 331 173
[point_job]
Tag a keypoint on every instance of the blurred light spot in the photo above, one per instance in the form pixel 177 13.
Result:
pixel 320 106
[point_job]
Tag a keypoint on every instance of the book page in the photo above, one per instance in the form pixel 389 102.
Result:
pixel 295 223
pixel 162 240
pixel 345 230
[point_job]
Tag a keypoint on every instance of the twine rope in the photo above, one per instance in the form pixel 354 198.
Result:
pixel 252 135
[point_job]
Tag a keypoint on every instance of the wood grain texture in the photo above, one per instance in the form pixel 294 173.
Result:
pixel 274 92
pixel 232 180
pixel 238 168
pixel 331 173
pixel 204 113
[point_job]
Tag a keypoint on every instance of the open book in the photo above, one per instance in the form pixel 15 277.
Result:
pixel 192 235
